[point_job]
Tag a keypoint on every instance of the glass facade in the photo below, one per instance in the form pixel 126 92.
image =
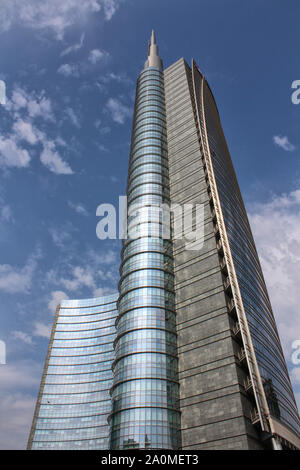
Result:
pixel 74 400
pixel 145 388
pixel 254 296
pixel 187 353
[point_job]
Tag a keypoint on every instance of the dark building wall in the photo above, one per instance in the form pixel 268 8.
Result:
pixel 256 303
pixel 215 409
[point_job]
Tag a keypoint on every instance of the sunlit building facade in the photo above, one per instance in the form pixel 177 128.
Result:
pixel 145 390
pixel 187 355
pixel 74 401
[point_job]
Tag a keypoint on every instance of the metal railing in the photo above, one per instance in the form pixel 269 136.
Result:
pixel 254 416
pixel 248 385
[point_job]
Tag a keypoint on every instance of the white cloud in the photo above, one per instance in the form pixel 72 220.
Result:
pixel 99 268
pixel 102 291
pixel 19 99
pixel 16 411
pixel 69 70
pixel 82 277
pixel 20 374
pixel 11 152
pixel 35 104
pixel 42 330
pixel 78 69
pixel 295 375
pixel 79 208
pixel 109 257
pixel 17 402
pixel 5 213
pixel 73 117
pixel 39 329
pixel 106 275
pixel 284 143
pixel 25 131
pixel 56 297
pixel 276 228
pixel 117 77
pixel 110 7
pixel 102 130
pixel 105 130
pixel 74 47
pixel 102 88
pixel 52 15
pixel 22 336
pixel 11 155
pixel 14 279
pixel 101 147
pixel 119 112
pixel 61 236
pixel 52 160
pixel 40 108
pixel 61 142
pixel 96 55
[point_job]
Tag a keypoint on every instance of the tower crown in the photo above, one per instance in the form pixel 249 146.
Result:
pixel 153 58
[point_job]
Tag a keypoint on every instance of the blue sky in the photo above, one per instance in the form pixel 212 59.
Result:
pixel 70 70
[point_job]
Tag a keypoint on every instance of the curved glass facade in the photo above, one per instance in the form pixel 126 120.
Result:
pixel 256 303
pixel 145 389
pixel 74 400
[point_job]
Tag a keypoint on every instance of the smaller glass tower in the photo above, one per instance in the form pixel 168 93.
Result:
pixel 74 401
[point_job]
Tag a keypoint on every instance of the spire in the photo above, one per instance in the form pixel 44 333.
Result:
pixel 153 39
pixel 153 58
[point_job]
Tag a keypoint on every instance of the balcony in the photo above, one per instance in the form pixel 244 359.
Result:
pixel 237 329
pixel 223 264
pixel 231 307
pixel 248 385
pixel 254 416
pixel 214 215
pixel 216 229
pixel 227 285
pixel 242 356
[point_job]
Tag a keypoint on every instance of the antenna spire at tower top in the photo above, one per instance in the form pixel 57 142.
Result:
pixel 153 38
pixel 153 58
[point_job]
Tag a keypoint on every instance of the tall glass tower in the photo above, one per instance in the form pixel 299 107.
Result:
pixel 187 355
pixel 145 389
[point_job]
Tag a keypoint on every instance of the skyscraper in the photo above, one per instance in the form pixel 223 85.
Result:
pixel 74 400
pixel 145 390
pixel 197 360
pixel 235 390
